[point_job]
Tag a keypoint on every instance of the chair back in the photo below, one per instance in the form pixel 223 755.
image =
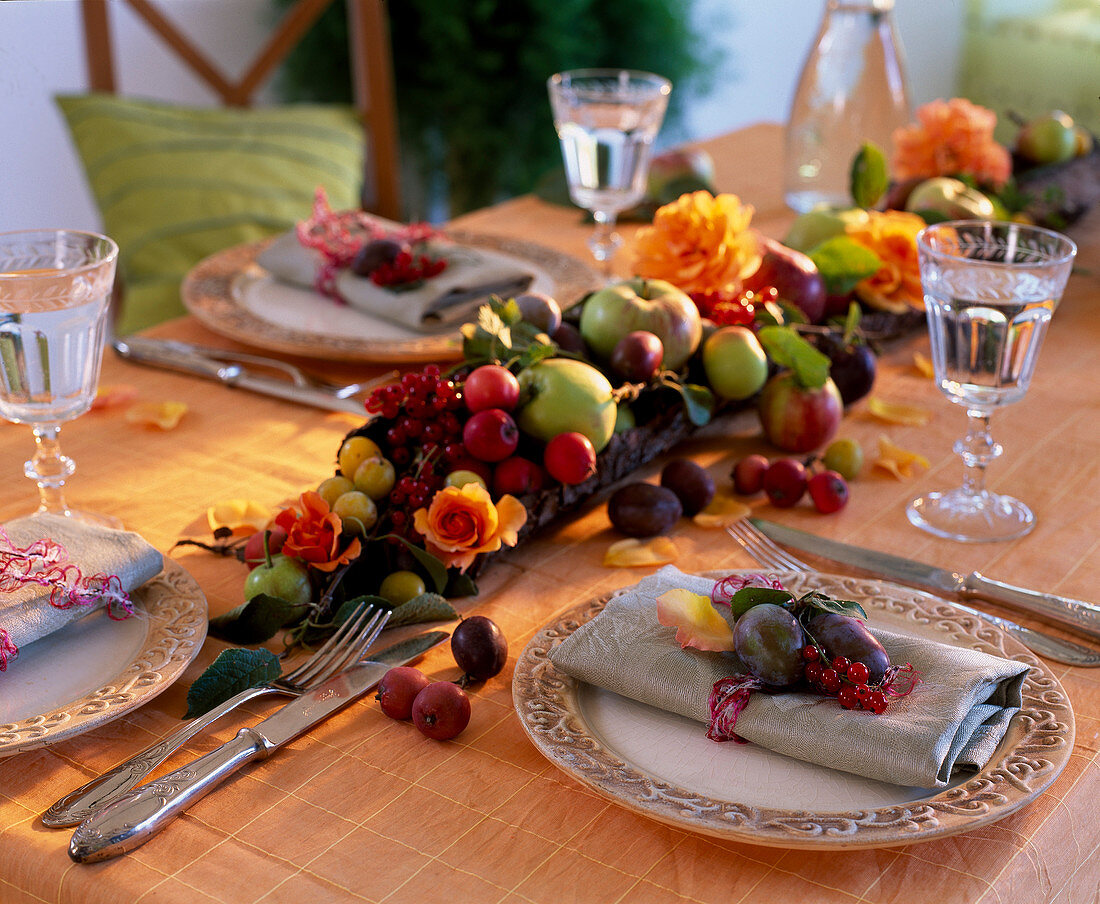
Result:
pixel 371 71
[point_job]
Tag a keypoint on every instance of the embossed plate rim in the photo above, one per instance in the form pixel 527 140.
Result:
pixel 174 636
pixel 211 293
pixel 546 702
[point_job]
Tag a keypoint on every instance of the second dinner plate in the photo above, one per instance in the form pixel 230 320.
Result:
pixel 663 766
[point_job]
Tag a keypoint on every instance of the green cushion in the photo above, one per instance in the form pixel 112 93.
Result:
pixel 176 184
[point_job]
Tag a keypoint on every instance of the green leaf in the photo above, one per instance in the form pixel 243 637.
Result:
pixel 815 599
pixel 260 619
pixel 851 322
pixel 535 352
pixel 698 400
pixel 843 262
pixel 350 607
pixel 400 651
pixel 787 349
pixel 747 597
pixel 424 608
pixel 437 571
pixel 870 177
pixel 460 585
pixel 233 671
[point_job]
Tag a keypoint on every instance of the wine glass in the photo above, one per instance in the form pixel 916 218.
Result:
pixel 55 286
pixel 990 290
pixel 606 120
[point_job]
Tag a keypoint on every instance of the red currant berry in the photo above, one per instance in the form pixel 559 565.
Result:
pixel 810 653
pixel 398 518
pixel 813 672
pixel 432 370
pixel 847 697
pixel 830 680
pixel 400 456
pixel 863 694
pixel 841 663
pixel 858 672
pixel 876 702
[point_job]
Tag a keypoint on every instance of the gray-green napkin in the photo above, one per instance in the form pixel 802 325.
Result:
pixel 26 613
pixel 952 721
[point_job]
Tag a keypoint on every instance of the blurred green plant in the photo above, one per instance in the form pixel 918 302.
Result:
pixel 470 75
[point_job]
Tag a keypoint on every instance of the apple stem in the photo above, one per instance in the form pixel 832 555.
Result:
pixel 267 549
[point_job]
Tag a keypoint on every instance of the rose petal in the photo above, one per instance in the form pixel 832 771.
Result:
pixel 924 366
pixel 239 515
pixel 722 512
pixel 898 413
pixel 113 396
pixel 898 461
pixel 697 622
pixel 635 553
pixel 165 415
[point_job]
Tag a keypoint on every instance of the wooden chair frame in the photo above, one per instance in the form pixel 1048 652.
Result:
pixel 371 63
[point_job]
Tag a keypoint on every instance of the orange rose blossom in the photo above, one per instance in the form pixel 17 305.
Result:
pixel 951 138
pixel 460 523
pixel 892 235
pixel 313 534
pixel 699 243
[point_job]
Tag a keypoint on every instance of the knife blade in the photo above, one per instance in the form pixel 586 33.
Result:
pixel 1077 615
pixel 155 353
pixel 78 805
pixel 134 818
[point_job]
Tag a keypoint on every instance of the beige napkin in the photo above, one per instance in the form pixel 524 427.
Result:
pixel 26 613
pixel 441 303
pixel 953 721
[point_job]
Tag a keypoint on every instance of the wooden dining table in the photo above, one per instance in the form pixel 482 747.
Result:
pixel 364 808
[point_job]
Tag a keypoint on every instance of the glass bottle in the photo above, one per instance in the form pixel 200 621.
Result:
pixel 852 89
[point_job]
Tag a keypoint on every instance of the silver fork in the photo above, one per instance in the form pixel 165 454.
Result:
pixel 771 555
pixel 350 642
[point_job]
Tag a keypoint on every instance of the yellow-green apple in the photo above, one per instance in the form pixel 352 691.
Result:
pixel 798 419
pixel 821 223
pixel 735 363
pixel 561 395
pixel 951 199
pixel 1051 138
pixel 793 274
pixel 635 304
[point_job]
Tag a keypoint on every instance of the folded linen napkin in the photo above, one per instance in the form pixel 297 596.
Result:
pixel 952 721
pixel 26 613
pixel 440 303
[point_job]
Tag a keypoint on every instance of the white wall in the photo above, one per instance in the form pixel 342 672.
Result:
pixel 41 54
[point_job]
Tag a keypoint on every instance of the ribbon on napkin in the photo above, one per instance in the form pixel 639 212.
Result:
pixel 440 303
pixel 26 613
pixel 952 721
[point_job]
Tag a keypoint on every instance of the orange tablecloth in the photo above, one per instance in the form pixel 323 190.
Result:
pixel 365 809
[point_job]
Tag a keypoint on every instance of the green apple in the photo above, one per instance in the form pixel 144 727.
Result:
pixel 821 223
pixel 281 577
pixel 1048 139
pixel 951 199
pixel 735 363
pixel 642 304
pixel 561 395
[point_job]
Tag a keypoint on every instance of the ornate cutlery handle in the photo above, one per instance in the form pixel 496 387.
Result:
pixel 133 819
pixel 1080 616
pixel 78 805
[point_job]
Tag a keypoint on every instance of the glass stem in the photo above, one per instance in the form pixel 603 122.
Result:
pixel 604 241
pixel 977 449
pixel 49 469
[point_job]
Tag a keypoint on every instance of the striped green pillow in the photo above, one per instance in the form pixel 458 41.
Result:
pixel 176 184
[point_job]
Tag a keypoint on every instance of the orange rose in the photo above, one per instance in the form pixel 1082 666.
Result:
pixel 462 522
pixel 951 138
pixel 699 243
pixel 892 235
pixel 313 534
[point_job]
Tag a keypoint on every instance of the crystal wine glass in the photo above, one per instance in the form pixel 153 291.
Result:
pixel 990 290
pixel 55 285
pixel 606 120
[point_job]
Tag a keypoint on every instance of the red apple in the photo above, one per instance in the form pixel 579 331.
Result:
pixel 491 386
pixel 797 419
pixel 517 476
pixel 793 274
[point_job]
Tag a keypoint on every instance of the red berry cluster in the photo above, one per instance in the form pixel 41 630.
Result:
pixel 733 309
pixel 843 679
pixel 406 268
pixel 424 438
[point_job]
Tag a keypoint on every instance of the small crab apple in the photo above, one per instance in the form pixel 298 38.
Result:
pixel 490 435
pixel 491 386
pixel 570 458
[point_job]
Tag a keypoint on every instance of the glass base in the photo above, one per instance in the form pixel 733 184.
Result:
pixel 94 519
pixel 971 517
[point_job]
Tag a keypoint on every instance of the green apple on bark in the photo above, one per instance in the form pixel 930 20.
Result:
pixel 735 363
pixel 562 395
pixel 636 304
pixel 1051 138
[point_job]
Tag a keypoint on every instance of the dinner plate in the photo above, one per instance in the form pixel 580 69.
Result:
pixel 96 669
pixel 663 766
pixel 234 296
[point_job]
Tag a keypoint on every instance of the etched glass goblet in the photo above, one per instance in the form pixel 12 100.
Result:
pixel 55 286
pixel 606 120
pixel 990 290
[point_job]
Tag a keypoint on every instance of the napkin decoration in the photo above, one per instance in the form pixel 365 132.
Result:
pixel 436 284
pixel 55 570
pixel 951 722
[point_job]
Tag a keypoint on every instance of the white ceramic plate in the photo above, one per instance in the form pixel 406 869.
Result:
pixel 232 295
pixel 662 765
pixel 94 670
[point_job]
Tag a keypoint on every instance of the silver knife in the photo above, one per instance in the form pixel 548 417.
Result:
pixel 1078 615
pixel 169 355
pixel 78 805
pixel 133 819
